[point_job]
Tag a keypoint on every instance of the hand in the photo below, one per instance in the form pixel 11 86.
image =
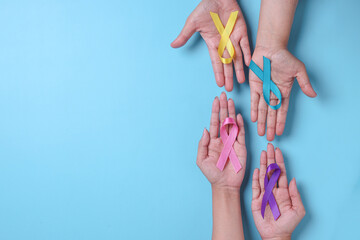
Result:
pixel 210 147
pixel 287 197
pixel 201 21
pixel 284 68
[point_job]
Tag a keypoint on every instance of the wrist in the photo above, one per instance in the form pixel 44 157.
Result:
pixel 270 40
pixel 220 2
pixel 226 193
pixel 225 190
pixel 279 238
pixel 290 2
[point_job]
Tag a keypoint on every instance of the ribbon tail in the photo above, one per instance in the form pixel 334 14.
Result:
pixel 267 79
pixel 233 157
pixel 221 162
pixel 224 155
pixel 235 161
pixel 263 206
pixel 274 207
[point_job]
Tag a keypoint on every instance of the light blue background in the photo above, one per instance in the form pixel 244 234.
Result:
pixel 100 120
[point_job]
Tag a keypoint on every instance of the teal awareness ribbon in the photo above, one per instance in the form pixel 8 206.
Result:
pixel 268 84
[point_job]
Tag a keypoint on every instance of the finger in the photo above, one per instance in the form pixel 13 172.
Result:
pixel 245 47
pixel 304 82
pixel 281 116
pixel 214 120
pixel 255 97
pixel 271 121
pixel 262 111
pixel 280 162
pixel 231 108
pixel 241 134
pixel 238 64
pixel 270 158
pixel 270 154
pixel 217 67
pixel 203 147
pixel 223 108
pixel 297 204
pixel 256 189
pixel 263 166
pixel 185 34
pixel 229 74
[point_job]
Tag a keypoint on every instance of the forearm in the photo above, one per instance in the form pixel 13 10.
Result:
pixel 275 21
pixel 227 221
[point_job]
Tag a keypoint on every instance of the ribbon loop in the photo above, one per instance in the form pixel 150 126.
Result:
pixel 225 35
pixel 268 84
pixel 268 195
pixel 228 141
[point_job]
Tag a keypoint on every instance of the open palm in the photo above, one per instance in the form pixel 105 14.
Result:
pixel 287 198
pixel 210 146
pixel 200 21
pixel 284 69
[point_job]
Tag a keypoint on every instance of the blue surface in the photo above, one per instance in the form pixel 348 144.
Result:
pixel 100 121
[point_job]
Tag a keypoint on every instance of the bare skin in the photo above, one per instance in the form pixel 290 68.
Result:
pixel 287 197
pixel 227 221
pixel 276 17
pixel 200 21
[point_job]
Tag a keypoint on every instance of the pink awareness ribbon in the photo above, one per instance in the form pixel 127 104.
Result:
pixel 228 141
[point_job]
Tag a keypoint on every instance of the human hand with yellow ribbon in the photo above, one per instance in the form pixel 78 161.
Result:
pixel 275 23
pixel 227 42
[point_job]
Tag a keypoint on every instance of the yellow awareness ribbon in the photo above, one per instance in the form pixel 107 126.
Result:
pixel 225 35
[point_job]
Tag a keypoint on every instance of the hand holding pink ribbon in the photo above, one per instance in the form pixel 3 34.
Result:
pixel 228 141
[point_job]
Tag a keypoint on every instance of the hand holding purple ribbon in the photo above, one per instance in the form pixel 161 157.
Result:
pixel 286 198
pixel 268 195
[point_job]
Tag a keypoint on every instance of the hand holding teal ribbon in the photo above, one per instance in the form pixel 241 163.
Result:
pixel 268 84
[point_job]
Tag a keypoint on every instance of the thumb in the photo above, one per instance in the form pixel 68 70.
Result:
pixel 185 34
pixel 296 199
pixel 304 82
pixel 203 147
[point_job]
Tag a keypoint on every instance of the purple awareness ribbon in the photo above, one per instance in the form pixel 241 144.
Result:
pixel 268 195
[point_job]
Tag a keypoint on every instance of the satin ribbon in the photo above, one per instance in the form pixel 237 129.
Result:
pixel 225 35
pixel 228 141
pixel 268 195
pixel 268 84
